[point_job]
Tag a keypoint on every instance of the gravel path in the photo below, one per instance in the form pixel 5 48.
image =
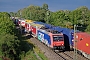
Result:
pixel 47 51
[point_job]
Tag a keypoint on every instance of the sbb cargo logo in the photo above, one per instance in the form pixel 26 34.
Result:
pixel 41 36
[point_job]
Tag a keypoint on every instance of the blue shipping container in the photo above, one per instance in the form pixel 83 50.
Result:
pixel 46 25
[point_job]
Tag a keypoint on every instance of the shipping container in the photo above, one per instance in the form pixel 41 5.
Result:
pixel 21 22
pixel 29 21
pixel 83 43
pixel 45 24
pixel 34 28
pixel 28 25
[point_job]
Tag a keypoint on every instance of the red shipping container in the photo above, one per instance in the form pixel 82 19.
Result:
pixel 83 42
pixel 33 30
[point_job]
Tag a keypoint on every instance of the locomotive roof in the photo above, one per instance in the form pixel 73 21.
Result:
pixel 50 30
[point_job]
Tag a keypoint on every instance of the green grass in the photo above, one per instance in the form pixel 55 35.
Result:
pixel 29 56
pixel 0 58
pixel 39 52
pixel 28 53
pixel 0 54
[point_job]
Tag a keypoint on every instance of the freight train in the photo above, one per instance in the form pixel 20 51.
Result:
pixel 49 37
pixel 58 37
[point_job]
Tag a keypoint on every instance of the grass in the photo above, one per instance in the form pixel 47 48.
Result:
pixel 0 55
pixel 39 52
pixel 27 53
pixel 31 48
pixel 29 56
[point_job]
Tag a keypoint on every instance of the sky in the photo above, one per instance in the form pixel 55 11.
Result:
pixel 54 5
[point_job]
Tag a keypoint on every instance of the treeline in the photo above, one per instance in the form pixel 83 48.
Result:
pixel 62 18
pixel 11 45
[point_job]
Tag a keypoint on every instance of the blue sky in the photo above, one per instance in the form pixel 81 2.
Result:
pixel 54 5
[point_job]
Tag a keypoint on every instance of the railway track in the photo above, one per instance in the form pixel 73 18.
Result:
pixel 64 56
pixel 69 55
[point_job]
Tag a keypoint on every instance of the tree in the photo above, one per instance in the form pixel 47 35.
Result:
pixel 88 28
pixel 63 18
pixel 6 25
pixel 45 6
pixel 34 12
pixel 9 45
pixel 8 38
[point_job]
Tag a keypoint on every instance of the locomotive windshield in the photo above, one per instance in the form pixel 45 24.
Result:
pixel 58 38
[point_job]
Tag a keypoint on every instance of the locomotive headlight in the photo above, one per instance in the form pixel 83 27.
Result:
pixel 62 44
pixel 72 40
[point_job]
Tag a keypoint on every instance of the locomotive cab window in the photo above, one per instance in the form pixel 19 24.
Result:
pixel 57 38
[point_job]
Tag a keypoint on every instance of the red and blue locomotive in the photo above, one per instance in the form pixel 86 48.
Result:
pixel 51 38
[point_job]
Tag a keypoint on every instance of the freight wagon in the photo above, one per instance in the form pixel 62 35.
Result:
pixel 28 25
pixel 15 21
pixel 34 28
pixel 83 43
pixel 45 24
pixel 21 22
